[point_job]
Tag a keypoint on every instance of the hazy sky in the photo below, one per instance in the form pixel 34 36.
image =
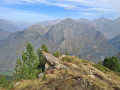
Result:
pixel 39 10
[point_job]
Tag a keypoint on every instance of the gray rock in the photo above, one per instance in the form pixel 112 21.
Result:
pixel 41 75
pixel 52 62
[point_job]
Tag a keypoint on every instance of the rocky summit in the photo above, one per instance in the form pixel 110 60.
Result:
pixel 78 75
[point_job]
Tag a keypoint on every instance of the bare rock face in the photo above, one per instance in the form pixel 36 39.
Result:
pixel 52 62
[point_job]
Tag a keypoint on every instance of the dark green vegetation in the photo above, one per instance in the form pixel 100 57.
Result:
pixel 5 81
pixel 112 63
pixel 44 48
pixel 31 65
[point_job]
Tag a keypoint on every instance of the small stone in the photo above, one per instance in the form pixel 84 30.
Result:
pixel 40 75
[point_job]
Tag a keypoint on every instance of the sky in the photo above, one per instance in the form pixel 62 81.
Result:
pixel 40 10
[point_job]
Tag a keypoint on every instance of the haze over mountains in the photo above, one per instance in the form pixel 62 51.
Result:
pixel 110 28
pixel 11 26
pixel 78 38
pixel 49 22
pixel 7 27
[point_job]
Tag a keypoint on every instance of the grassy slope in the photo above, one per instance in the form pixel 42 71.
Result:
pixel 80 75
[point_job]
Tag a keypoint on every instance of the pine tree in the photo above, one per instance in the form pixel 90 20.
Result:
pixel 44 48
pixel 18 67
pixel 112 63
pixel 115 64
pixel 27 68
pixel 41 58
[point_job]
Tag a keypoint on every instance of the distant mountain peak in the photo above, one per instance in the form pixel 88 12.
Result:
pixel 68 19
pixel 101 19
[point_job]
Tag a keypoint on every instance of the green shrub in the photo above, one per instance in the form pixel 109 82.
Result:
pixel 112 63
pixel 4 83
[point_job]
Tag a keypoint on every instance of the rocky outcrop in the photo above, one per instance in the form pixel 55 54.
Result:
pixel 52 62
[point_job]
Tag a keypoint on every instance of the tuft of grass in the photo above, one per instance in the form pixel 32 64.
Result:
pixel 85 61
pixel 68 59
pixel 71 59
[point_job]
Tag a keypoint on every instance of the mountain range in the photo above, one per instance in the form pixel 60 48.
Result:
pixel 109 28
pixel 78 38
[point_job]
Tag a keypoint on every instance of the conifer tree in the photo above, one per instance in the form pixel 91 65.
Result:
pixel 112 63
pixel 18 67
pixel 44 48
pixel 27 68
pixel 41 58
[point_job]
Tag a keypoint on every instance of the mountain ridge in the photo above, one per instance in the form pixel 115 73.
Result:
pixel 79 39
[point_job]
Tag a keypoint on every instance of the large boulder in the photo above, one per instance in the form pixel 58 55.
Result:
pixel 52 62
